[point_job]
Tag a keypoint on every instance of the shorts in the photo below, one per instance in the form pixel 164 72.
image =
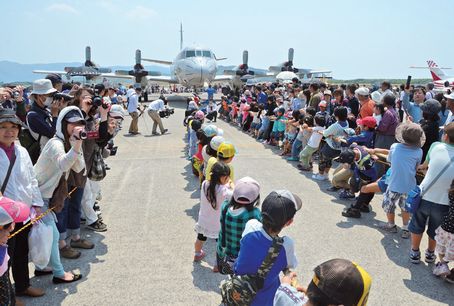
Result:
pixel 382 184
pixel 427 211
pixel 393 199
pixel 255 126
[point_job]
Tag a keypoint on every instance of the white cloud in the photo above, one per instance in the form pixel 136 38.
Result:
pixel 140 13
pixel 62 8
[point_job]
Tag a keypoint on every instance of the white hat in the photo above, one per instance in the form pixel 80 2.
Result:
pixel 376 96
pixel 42 87
pixel 247 92
pixel 216 142
pixel 116 111
pixel 362 91
pixel 450 97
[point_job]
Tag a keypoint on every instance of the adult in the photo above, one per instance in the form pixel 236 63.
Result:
pixel 56 81
pixel 385 88
pixel 413 108
pixel 429 124
pixel 153 110
pixel 366 103
pixel 430 94
pixel 134 111
pixel 352 101
pixel 450 106
pixel 20 185
pixel 316 96
pixel 261 95
pixel 386 129
pixel 210 92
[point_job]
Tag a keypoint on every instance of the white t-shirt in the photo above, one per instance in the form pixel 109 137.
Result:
pixel 156 105
pixel 314 140
pixel 439 156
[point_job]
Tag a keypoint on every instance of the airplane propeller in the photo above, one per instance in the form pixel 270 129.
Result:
pixel 286 66
pixel 138 72
pixel 242 70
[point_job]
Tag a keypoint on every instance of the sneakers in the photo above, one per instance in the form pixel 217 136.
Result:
pixel 346 194
pixel 430 257
pixel 441 269
pixel 365 208
pixel 332 189
pixel 165 131
pixel 415 256
pixel 320 177
pixel 292 159
pixel 390 228
pixel 352 213
pixel 199 257
pixel 82 244
pixel 97 226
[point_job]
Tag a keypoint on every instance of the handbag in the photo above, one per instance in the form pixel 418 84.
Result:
pixel 97 171
pixel 414 197
pixel 241 289
pixel 57 202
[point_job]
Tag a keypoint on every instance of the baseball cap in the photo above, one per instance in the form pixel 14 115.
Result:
pixel 431 106
pixel 13 211
pixel 450 96
pixel 280 206
pixel 74 116
pixel 368 121
pixel 54 78
pixel 199 115
pixel 216 141
pixel 210 130
pixel 9 115
pixel 116 112
pixel 246 191
pixel 327 92
pixel 322 104
pixel 226 150
pixel 362 91
pixel 346 157
pixel 342 282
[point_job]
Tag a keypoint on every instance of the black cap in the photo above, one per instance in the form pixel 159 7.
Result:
pixel 347 157
pixel 74 116
pixel 54 78
pixel 99 87
pixel 280 206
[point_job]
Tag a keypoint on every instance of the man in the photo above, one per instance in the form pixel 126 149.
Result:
pixel 450 106
pixel 133 110
pixel 430 91
pixel 261 96
pixel 413 108
pixel 366 104
pixel 316 96
pixel 352 101
pixel 56 81
pixel 210 92
pixel 153 110
pixel 385 88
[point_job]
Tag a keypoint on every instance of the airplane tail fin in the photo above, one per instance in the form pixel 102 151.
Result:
pixel 435 71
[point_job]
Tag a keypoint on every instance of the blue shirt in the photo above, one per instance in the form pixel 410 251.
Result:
pixel 210 92
pixel 262 98
pixel 255 244
pixel 412 108
pixel 297 104
pixel 365 138
pixel 404 160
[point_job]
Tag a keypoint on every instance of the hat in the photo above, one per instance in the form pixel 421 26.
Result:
pixel 74 116
pixel 247 92
pixel 246 191
pixel 368 121
pixel 54 78
pixel 327 92
pixel 280 206
pixel 116 112
pixel 199 115
pixel 431 106
pixel 12 211
pixel 322 103
pixel 210 130
pixel 42 87
pixel 8 115
pixel 99 87
pixel 216 141
pixel 376 96
pixel 346 157
pixel 450 96
pixel 362 91
pixel 226 150
pixel 342 282
pixel 411 134
pixel 281 110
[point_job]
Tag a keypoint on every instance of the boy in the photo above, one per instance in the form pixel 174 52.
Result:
pixel 405 158
pixel 278 210
pixel 279 127
pixel 366 136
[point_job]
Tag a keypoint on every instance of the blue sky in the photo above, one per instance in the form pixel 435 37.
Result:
pixel 353 38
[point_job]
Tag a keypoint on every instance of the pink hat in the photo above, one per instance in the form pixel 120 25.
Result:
pixel 199 115
pixel 13 211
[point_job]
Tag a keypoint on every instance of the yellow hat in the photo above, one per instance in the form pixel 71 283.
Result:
pixel 226 150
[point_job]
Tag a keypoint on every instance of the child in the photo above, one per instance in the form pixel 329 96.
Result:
pixel 367 132
pixel 11 212
pixel 404 157
pixel 278 127
pixel 379 110
pixel 445 241
pixel 226 152
pixel 234 216
pixel 313 143
pixel 213 194
pixel 278 210
pixel 291 132
pixel 194 125
pixel 256 114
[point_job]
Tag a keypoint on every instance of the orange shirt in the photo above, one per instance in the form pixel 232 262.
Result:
pixel 367 109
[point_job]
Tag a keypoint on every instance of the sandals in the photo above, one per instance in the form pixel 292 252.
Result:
pixel 57 280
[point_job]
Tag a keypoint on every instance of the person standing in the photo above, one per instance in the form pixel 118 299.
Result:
pixel 133 110
pixel 366 103
pixel 153 110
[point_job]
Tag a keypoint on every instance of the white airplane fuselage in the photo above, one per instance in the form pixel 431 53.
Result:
pixel 194 71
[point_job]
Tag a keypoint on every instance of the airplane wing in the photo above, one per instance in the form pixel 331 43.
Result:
pixel 157 61
pixel 119 76
pixel 162 78
pixel 49 72
pixel 223 77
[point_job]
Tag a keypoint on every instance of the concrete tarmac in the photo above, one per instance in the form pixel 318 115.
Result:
pixel 150 204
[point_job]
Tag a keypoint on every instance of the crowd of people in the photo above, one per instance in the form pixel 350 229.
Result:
pixel 398 141
pixel 53 143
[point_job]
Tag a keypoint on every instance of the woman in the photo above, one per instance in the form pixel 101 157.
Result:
pixel 21 185
pixel 61 154
pixel 430 124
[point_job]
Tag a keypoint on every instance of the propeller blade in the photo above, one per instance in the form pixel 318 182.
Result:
pixel 122 72
pixel 245 57
pixel 88 53
pixel 290 55
pixel 138 56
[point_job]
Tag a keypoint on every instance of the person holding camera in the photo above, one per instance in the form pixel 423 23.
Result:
pixel 134 110
pixel 153 110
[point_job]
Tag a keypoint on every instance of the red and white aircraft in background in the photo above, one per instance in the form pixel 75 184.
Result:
pixel 439 77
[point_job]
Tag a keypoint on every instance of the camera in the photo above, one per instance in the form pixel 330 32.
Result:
pixel 60 95
pixel 166 112
pixel 82 135
pixel 88 135
pixel 98 101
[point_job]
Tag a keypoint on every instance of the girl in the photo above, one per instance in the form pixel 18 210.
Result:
pixel 291 131
pixel 213 194
pixel 445 241
pixel 379 110
pixel 234 216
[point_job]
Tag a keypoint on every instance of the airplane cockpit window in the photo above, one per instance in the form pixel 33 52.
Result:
pixel 190 53
pixel 198 52
pixel 206 53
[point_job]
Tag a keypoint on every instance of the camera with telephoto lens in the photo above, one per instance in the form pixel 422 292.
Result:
pixel 98 101
pixel 60 95
pixel 166 112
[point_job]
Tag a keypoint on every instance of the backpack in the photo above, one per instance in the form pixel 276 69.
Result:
pixel 29 142
pixel 240 290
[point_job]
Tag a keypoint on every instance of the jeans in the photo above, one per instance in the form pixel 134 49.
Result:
pixel 427 211
pixel 54 261
pixel 296 148
pixel 69 217
pixel 265 125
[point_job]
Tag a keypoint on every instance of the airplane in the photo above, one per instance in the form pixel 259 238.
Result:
pixel 300 73
pixel 89 70
pixel 192 67
pixel 439 77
